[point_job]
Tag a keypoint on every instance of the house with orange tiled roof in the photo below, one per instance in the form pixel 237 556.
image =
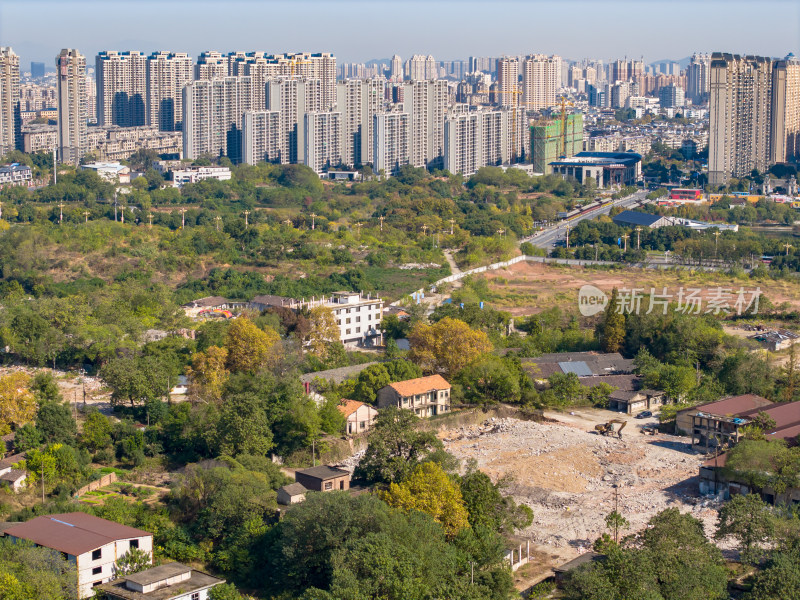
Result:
pixel 426 396
pixel 359 416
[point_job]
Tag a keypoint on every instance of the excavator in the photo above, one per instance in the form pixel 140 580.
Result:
pixel 608 428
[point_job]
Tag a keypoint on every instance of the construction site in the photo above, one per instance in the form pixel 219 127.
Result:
pixel 573 469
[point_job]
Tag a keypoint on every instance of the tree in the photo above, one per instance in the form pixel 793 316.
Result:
pixel 133 561
pixel 395 447
pixel 369 381
pixel 323 331
pixel 614 325
pixel 487 507
pixel 250 349
pixel 489 380
pixel 208 372
pixel 55 423
pixel 749 520
pixel 779 579
pixel 243 427
pixel 431 491
pixel 97 430
pixel 566 387
pixel 224 591
pixel 34 573
pixel 45 387
pixel 17 403
pixel 616 522
pixel 432 346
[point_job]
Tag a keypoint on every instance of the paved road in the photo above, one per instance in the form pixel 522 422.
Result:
pixel 547 239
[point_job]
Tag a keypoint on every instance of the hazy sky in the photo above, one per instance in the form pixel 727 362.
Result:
pixel 358 30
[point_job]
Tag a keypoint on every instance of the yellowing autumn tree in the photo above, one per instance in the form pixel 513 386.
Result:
pixel 208 373
pixel 323 331
pixel 431 491
pixel 447 346
pixel 250 348
pixel 17 402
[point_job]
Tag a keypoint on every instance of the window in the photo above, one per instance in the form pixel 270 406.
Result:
pixel 347 320
pixel 358 329
pixel 97 570
pixel 358 319
pixel 338 321
pixel 328 485
pixel 347 332
pixel 195 595
pixel 134 543
pixel 97 554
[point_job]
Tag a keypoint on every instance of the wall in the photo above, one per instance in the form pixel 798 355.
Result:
pixel 94 485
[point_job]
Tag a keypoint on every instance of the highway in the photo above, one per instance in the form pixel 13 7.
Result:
pixel 548 237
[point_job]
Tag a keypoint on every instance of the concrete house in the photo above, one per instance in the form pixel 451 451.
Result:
pixel 426 396
pixel 721 419
pixel 92 544
pixel 359 416
pixel 291 494
pixel 323 479
pixel 172 581
pixel 632 402
pixel 13 478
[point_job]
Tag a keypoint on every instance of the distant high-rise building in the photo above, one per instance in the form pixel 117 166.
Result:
pixel 508 92
pixel 671 96
pixel 91 100
pixel 590 73
pixel 619 71
pixel 740 104
pixel 358 101
pixel 121 88
pixel 72 113
pixel 698 75
pixel 10 120
pixel 426 102
pixel 421 68
pixel 167 74
pixel 391 141
pixel 396 70
pixel 210 65
pixel 620 92
pixel 261 137
pixel 540 81
pixel 213 111
pixel 598 95
pixel 293 98
pixel 37 70
pixel 476 139
pixel 785 134
pixel 322 140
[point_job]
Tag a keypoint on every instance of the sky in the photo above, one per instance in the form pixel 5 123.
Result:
pixel 359 30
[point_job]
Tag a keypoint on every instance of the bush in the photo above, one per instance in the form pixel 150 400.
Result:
pixel 104 456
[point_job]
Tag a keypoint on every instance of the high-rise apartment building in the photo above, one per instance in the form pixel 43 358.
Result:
pixel 396 69
pixel 740 106
pixel 213 113
pixel 391 141
pixel 698 75
pixel 10 120
pixel 359 100
pixel 549 141
pixel 167 74
pixel 293 98
pixel 671 96
pixel 91 100
pixel 619 71
pixel 322 140
pixel 261 137
pixel 426 102
pixel 72 113
pixel 421 68
pixel 620 92
pixel 508 92
pixel 540 81
pixel 210 65
pixel 121 88
pixel 785 133
pixel 476 139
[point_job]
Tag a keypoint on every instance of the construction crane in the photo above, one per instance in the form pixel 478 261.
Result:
pixel 563 103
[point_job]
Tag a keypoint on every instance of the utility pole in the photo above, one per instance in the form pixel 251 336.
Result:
pixel 358 226
pixel 115 206
pixel 381 219
pixel 501 232
pixel 638 238
pixel 218 219
pixel 787 246
pixel 60 212
pixel 313 452
pixel 246 221
pixel 716 242
pixel 122 213
pixel 625 237
pixel 313 220
pixel 424 230
pixel 452 221
pixel 183 218
pixel 55 168
pixel 567 236
pixel 150 218
pixel 86 214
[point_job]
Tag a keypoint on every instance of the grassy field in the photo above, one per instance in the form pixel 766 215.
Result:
pixel 528 288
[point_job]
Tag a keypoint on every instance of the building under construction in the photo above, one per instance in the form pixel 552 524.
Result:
pixel 550 141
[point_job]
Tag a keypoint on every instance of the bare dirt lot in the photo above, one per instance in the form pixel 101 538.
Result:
pixel 566 473
pixel 526 287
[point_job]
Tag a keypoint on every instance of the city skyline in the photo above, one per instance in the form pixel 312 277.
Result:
pixel 357 31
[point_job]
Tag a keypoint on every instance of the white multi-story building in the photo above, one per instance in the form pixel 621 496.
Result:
pixel 121 88
pixel 211 65
pixel 508 91
pixel 15 174
pixel 293 98
pixel 359 100
pixel 698 77
pixel 72 113
pixel 39 138
pixel 92 544
pixel 322 140
pixel 261 136
pixel 540 81
pixel 119 143
pixel 785 142
pixel 391 139
pixel 484 138
pixel 167 74
pixel 181 177
pixel 421 68
pixel 9 101
pixel 358 317
pixel 740 104
pixel 213 113
pixel 427 103
pixel 396 69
